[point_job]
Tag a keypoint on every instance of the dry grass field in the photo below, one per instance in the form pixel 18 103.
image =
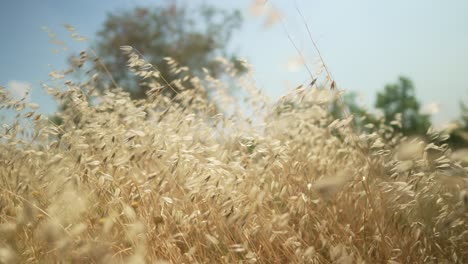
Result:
pixel 196 180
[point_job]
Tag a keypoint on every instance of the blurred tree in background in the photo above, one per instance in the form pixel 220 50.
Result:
pixel 459 130
pixel 193 37
pixel 349 105
pixel 398 98
pixel 395 99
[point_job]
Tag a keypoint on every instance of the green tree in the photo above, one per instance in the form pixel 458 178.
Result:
pixel 464 116
pixel 348 104
pixel 459 133
pixel 193 37
pixel 400 97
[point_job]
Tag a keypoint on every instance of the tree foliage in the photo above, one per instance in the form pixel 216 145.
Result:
pixel 459 132
pixel 193 37
pixel 400 98
pixel 348 104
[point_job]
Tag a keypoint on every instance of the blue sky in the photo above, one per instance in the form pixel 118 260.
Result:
pixel 365 44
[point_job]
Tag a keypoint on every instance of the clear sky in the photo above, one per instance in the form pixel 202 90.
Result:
pixel 365 43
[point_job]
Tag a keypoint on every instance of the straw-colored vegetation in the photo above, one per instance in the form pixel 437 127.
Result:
pixel 192 179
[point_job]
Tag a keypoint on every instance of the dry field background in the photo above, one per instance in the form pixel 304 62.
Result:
pixel 196 180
